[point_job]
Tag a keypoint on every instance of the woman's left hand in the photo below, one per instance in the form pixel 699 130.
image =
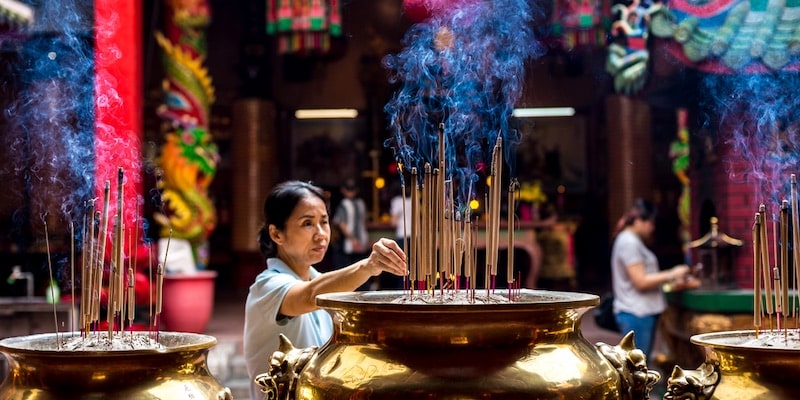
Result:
pixel 685 284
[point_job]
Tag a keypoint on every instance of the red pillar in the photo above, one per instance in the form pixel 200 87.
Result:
pixel 630 172
pixel 118 102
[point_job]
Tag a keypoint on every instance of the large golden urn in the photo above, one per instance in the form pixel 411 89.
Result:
pixel 39 370
pixel 449 345
pixel 739 365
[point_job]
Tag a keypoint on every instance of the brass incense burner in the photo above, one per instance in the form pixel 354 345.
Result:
pixel 394 345
pixel 741 366
pixel 39 370
pixel 760 363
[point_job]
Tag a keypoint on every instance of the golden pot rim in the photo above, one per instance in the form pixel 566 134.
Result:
pixel 172 342
pixel 527 300
pixel 734 341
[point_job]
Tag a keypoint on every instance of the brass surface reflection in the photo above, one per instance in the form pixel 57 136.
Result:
pixel 385 347
pixel 39 370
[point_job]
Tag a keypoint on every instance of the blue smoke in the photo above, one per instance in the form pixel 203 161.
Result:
pixel 463 68
pixel 49 123
pixel 758 118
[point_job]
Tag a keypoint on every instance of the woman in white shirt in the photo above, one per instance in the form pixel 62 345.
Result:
pixel 636 277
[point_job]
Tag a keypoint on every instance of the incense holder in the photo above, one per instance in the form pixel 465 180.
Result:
pixel 741 365
pixel 391 345
pixel 38 368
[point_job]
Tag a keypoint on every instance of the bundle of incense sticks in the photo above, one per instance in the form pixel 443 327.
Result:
pixel 771 284
pixel 120 302
pixel 441 245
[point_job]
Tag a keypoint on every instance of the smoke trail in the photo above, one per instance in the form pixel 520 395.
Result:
pixel 49 123
pixel 758 117
pixel 463 67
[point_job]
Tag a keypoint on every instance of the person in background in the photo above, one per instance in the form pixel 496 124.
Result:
pixel 636 278
pixel 350 219
pixel 400 214
pixel 294 237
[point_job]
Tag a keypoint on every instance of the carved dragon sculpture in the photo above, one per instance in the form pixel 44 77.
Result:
pixel 696 384
pixel 631 364
pixel 189 156
pixel 284 369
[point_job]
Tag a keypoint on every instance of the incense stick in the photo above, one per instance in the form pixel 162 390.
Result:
pixel 784 265
pixel 757 273
pixel 52 282
pixel 72 275
pixel 415 219
pixel 405 227
pixel 497 174
pixel 795 246
pixel 85 278
pixel 510 218
pixel 441 207
pixel 103 240
pixel 767 281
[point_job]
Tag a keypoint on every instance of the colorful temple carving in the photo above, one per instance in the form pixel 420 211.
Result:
pixel 304 27
pixel 189 155
pixel 731 36
pixel 721 37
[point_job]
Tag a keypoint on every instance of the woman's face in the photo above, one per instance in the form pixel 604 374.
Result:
pixel 305 239
pixel 645 227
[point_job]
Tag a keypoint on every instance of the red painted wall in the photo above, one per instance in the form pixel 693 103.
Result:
pixel 118 102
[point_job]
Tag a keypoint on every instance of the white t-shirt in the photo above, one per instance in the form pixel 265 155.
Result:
pixel 353 213
pixel 628 250
pixel 403 227
pixel 262 324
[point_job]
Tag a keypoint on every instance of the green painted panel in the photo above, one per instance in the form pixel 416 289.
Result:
pixel 721 301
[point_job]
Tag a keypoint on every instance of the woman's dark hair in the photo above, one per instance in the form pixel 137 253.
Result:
pixel 641 209
pixel 279 205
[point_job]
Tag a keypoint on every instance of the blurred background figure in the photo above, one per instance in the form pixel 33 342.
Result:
pixel 350 218
pixel 636 278
pixel 400 214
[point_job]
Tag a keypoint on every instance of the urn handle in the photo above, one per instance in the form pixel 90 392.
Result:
pixel 225 394
pixel 285 365
pixel 631 364
pixel 696 384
